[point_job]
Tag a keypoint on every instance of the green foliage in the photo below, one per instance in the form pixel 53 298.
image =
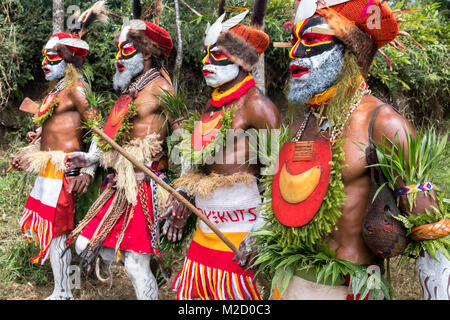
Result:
pixel 416 162
pixel 175 103
pixel 414 248
pixel 16 266
pixel 419 80
pixel 205 155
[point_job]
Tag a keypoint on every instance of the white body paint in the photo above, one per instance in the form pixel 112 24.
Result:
pixel 60 268
pixel 434 277
pixel 136 265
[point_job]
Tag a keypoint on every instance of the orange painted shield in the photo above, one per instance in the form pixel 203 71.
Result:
pixel 206 130
pixel 301 181
pixel 116 115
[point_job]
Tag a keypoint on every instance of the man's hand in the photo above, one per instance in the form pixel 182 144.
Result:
pixel 79 184
pixel 247 252
pixel 176 214
pixel 31 135
pixel 177 209
pixel 15 161
pixel 75 160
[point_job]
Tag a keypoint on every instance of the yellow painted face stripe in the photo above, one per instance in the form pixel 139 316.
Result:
pixel 206 56
pixel 120 52
pixel 315 44
pixel 46 57
pixel 297 29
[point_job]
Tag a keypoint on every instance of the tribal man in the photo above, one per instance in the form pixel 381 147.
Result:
pixel 50 208
pixel 225 189
pixel 122 222
pixel 321 195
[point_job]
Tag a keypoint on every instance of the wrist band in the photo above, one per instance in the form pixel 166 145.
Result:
pixel 414 188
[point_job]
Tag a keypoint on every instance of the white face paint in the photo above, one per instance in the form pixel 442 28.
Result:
pixel 218 69
pixel 53 70
pixel 130 69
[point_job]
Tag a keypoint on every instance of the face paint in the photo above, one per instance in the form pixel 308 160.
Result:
pixel 53 65
pixel 126 51
pixel 218 69
pixel 127 69
pixel 322 71
pixel 307 42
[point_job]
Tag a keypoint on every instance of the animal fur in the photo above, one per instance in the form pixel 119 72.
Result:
pixel 356 40
pixel 143 150
pixel 239 51
pixel 144 44
pixel 259 12
pixel 158 7
pixel 221 9
pixel 137 9
pixel 68 55
pixel 199 184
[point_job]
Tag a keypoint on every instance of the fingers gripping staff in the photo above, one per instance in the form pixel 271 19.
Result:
pixel 172 191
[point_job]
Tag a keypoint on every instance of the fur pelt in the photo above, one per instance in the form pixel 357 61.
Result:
pixel 202 185
pixel 355 39
pixel 33 160
pixel 259 12
pixel 137 9
pixel 144 44
pixel 221 9
pixel 68 55
pixel 143 150
pixel 239 51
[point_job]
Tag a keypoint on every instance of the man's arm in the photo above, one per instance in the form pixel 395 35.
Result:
pixel 390 124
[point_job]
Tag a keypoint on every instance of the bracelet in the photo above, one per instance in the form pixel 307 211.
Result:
pixel 88 171
pixel 414 188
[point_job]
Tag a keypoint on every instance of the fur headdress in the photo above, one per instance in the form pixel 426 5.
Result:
pixel 243 44
pixel 147 37
pixel 69 47
pixel 362 30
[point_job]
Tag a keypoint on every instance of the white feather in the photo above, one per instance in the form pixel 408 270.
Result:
pixel 305 10
pixel 137 25
pixel 72 42
pixel 214 31
pixel 230 23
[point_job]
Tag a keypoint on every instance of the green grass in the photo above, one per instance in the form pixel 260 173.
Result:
pixel 15 251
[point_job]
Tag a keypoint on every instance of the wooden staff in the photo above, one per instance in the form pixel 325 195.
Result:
pixel 171 190
pixel 31 143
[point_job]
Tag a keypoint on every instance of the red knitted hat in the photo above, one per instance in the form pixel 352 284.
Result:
pixel 72 42
pixel 360 14
pixel 160 36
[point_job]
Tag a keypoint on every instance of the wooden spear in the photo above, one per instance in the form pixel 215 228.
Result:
pixel 171 190
pixel 30 144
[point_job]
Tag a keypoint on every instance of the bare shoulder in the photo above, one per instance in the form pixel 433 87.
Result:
pixel 388 122
pixel 261 110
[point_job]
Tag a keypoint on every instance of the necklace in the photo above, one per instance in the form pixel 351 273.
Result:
pixel 59 87
pixel 219 99
pixel 142 81
pixel 336 130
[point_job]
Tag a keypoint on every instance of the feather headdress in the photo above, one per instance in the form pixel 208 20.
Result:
pixel 243 44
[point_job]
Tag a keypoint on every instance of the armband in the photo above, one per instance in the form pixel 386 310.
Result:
pixel 413 188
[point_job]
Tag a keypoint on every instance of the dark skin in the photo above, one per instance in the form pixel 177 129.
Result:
pixel 254 111
pixel 61 132
pixel 347 240
pixel 150 116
